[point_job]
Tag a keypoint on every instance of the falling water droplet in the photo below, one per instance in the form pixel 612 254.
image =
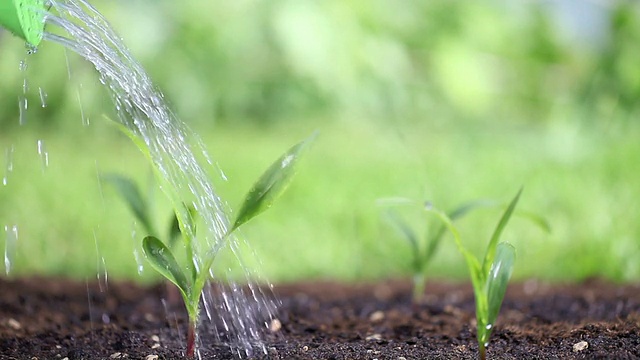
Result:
pixel 23 65
pixel 172 319
pixel 101 265
pixel 22 106
pixel 66 60
pixel 8 164
pixel 43 97
pixel 103 275
pixel 85 120
pixel 25 85
pixel 11 238
pixel 489 326
pixel 136 255
pixel 44 154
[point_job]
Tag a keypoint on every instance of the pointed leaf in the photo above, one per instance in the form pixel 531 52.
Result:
pixel 395 201
pixel 538 220
pixel 467 207
pixel 163 261
pixel 176 229
pixel 140 144
pixel 402 228
pixel 434 240
pixel 473 264
pixel 407 233
pixel 271 184
pixel 498 279
pixel 493 243
pixel 130 192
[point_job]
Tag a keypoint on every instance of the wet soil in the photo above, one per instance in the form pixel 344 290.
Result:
pixel 44 318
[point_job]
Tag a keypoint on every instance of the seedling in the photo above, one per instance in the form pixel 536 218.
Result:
pixel 424 247
pixel 489 278
pixel 190 278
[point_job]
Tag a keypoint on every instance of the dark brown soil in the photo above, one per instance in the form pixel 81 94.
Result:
pixel 56 319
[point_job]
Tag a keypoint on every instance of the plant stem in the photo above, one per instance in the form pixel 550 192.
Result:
pixel 191 340
pixel 482 352
pixel 418 287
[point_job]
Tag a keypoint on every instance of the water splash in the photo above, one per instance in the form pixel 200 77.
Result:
pixel 142 109
pixel 11 238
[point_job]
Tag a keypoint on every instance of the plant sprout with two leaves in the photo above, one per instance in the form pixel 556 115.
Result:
pixel 489 278
pixel 424 247
pixel 191 278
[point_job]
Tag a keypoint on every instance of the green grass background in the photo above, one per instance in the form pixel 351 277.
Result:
pixel 445 102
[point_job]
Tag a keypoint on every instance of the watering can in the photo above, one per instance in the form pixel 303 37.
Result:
pixel 24 18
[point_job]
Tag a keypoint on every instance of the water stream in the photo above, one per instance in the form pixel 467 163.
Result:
pixel 175 150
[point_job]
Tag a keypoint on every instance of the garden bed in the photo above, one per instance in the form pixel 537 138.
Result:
pixel 56 319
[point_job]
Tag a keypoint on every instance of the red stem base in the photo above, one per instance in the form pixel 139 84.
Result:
pixel 191 342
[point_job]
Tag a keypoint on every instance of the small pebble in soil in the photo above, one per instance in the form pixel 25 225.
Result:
pixel 14 324
pixel 151 357
pixel 580 346
pixel 376 316
pixel 275 325
pixel 305 348
pixel 155 338
pixel 374 337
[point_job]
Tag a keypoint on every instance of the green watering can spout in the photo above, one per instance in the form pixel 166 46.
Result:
pixel 24 18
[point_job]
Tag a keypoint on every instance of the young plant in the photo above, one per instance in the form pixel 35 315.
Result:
pixel 190 278
pixel 489 278
pixel 424 247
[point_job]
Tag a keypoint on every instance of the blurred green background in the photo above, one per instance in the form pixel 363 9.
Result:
pixel 445 101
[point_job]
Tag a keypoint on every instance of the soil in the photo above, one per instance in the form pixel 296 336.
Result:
pixel 44 318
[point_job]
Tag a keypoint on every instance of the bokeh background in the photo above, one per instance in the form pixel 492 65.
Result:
pixel 441 101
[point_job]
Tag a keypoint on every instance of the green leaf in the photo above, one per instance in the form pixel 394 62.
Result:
pixel 271 184
pixel 401 226
pixel 140 144
pixel 407 233
pixel 538 220
pixel 130 192
pixel 493 243
pixel 176 229
pixel 467 207
pixel 498 278
pixel 163 261
pixel 434 240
